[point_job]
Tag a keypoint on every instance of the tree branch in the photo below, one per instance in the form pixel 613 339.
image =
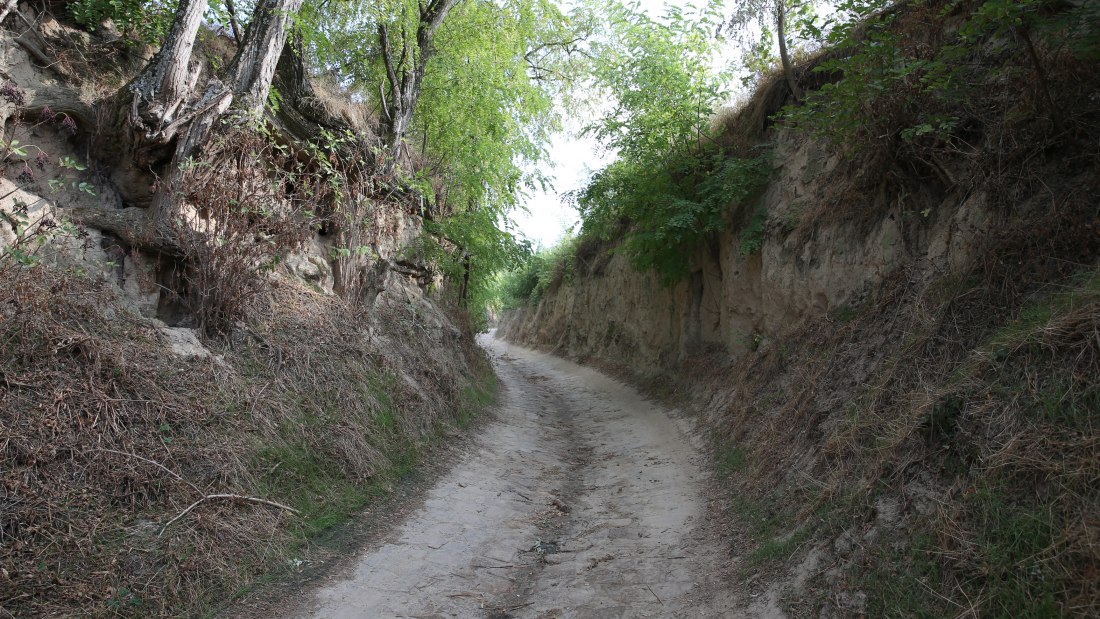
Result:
pixel 229 8
pixel 148 461
pixel 387 59
pixel 225 497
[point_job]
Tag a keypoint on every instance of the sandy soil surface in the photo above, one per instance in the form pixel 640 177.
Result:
pixel 581 500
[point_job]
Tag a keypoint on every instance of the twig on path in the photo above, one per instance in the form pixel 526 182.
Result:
pixel 654 594
pixel 225 497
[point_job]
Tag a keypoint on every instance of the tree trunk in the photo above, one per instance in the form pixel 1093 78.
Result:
pixel 1044 82
pixel 251 71
pixel 784 57
pixel 166 115
pixel 301 114
pixel 405 73
pixel 467 273
pixel 254 66
pixel 165 84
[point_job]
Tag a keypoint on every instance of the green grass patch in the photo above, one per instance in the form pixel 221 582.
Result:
pixel 756 518
pixel 843 314
pixel 780 548
pixel 1002 570
pixel 903 582
pixel 477 397
pixel 386 419
pixel 314 485
pixel 1068 404
pixel 321 488
pixel 1083 289
pixel 1013 538
pixel 731 460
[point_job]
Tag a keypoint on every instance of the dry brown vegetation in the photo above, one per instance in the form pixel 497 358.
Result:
pixel 938 439
pixel 135 481
pixel 965 407
pixel 106 436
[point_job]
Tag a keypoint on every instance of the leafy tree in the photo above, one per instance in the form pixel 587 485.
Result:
pixel 463 91
pixel 659 79
pixel 405 61
pixel 671 185
pixel 531 278
pixel 487 115
pixel 485 247
pixel 147 22
pixel 894 83
pixel 483 113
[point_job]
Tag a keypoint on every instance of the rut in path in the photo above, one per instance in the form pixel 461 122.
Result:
pixel 580 500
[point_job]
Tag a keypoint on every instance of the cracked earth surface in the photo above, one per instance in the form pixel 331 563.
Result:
pixel 580 500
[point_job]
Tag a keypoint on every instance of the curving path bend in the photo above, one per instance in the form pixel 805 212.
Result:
pixel 581 500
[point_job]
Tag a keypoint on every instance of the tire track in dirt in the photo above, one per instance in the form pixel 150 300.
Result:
pixel 581 500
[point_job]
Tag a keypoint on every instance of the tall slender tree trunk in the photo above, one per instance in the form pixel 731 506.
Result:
pixel 467 274
pixel 784 56
pixel 165 84
pixel 254 66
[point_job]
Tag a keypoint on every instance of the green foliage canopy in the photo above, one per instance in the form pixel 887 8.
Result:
pixel 527 283
pixel 671 185
pixel 484 116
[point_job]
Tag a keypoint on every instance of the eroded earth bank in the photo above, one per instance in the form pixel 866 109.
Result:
pixel 580 499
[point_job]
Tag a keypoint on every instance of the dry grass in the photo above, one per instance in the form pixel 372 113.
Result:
pixel 105 437
pixel 235 222
pixel 348 106
pixel 741 127
pixel 970 403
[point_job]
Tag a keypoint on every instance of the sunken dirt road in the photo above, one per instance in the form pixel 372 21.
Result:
pixel 579 500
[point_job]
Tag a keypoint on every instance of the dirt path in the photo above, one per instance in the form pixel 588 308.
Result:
pixel 581 500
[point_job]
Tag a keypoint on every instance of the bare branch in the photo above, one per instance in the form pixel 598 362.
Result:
pixel 387 59
pixel 225 497
pixel 153 462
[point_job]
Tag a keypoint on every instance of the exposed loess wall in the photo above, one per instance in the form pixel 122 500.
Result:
pixel 811 261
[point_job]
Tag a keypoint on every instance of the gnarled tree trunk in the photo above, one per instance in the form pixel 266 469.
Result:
pixel 169 117
pixel 405 72
pixel 784 56
pixel 167 82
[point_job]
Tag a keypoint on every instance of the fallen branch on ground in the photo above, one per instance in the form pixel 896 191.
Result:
pixel 225 497
pixel 153 462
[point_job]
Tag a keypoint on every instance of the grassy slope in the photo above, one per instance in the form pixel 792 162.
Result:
pixel 105 436
pixel 935 446
pixel 939 447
